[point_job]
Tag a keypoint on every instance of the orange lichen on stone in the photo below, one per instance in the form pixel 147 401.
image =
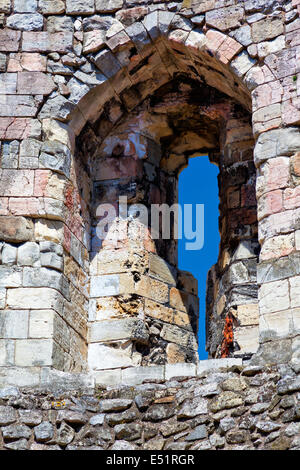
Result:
pixel 227 336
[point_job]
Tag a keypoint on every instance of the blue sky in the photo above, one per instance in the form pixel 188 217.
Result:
pixel 198 184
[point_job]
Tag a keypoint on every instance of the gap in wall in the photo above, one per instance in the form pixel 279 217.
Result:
pixel 198 184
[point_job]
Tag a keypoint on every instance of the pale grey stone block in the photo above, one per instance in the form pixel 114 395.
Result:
pixel 180 370
pixel 136 375
pixel 9 254
pixel 10 276
pixel 29 254
pixel 25 22
pixel 25 6
pixel 14 324
pixel 19 376
pixel 55 380
pixel 10 154
pixel 33 352
pixel 106 285
pixel 129 328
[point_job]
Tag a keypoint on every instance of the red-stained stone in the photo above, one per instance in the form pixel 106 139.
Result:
pixel 270 203
pixel 278 174
pixel 269 93
pixel 3 205
pixel 291 111
pixel 27 61
pixel 67 239
pixel 16 128
pixel 34 83
pixel 224 47
pixel 292 198
pixel 40 182
pixel 119 167
pixel 9 40
pixel 24 206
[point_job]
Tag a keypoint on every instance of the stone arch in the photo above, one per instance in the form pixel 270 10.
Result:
pixel 211 58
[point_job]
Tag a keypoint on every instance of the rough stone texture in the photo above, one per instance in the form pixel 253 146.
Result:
pixel 238 408
pixel 79 81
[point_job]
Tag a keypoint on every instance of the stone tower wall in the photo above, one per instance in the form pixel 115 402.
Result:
pixel 79 81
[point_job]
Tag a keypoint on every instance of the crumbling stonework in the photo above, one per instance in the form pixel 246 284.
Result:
pixel 230 408
pixel 101 99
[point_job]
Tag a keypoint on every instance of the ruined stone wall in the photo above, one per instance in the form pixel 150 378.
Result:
pixel 72 74
pixel 229 408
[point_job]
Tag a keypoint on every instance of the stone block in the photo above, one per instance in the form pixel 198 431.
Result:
pixel 225 18
pixel 107 377
pixel 52 7
pixel 46 42
pixel 180 370
pixel 276 143
pixel 136 375
pixel 19 376
pixel 35 83
pixel 12 128
pixel 7 356
pixel 247 338
pixel 5 6
pixel 104 357
pixel 158 311
pixel 28 254
pixel 34 352
pixel 274 297
pixel 27 62
pixel 16 182
pixel 8 83
pixel 14 324
pixel 41 323
pixel 268 28
pixel 275 326
pixel 25 22
pixel 25 6
pixel 10 276
pixel 34 298
pixel 160 269
pixel 77 7
pixel 104 286
pixel 15 229
pixel 247 315
pixel 127 328
pixel 108 6
pixel 9 254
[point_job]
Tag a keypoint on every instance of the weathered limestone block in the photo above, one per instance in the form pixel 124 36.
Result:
pixel 267 29
pixel 16 229
pixel 129 328
pixel 8 83
pixel 225 18
pixel 32 352
pixel 34 298
pixel 18 105
pixel 52 7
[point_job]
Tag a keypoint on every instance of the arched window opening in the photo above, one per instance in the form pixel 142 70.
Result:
pixel 198 184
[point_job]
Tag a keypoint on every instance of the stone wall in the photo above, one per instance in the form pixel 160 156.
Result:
pixel 231 408
pixel 74 74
